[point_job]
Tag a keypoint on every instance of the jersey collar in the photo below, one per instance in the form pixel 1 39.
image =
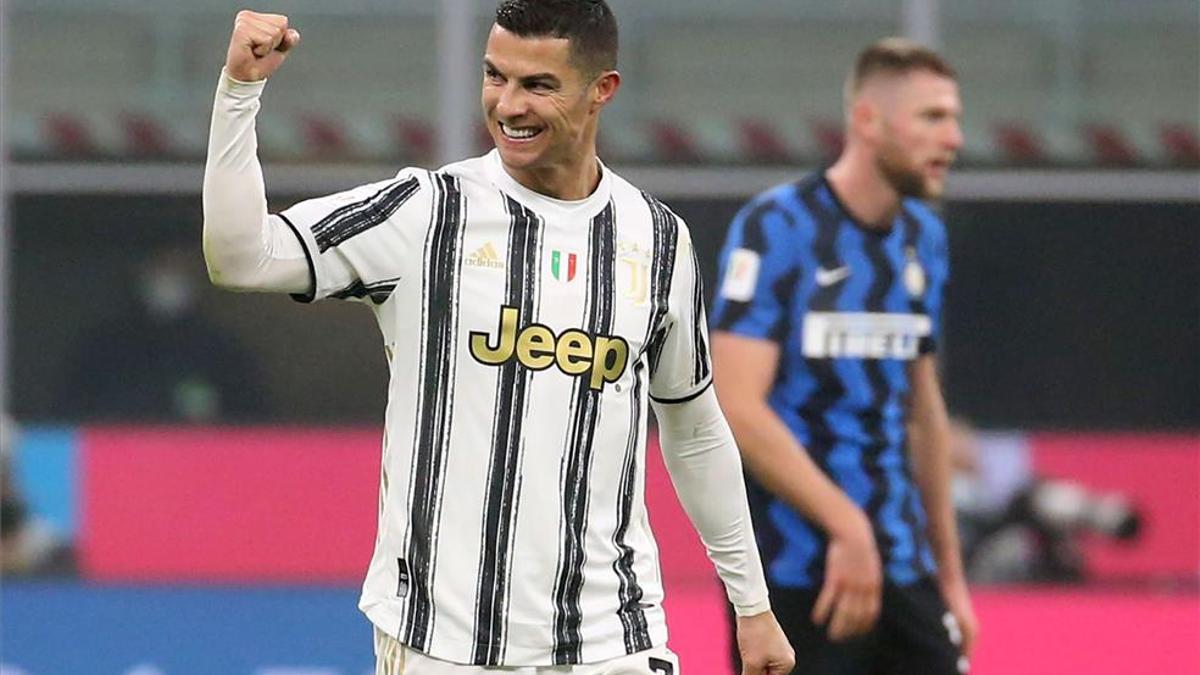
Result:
pixel 540 203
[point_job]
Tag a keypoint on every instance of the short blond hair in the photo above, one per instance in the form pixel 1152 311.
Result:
pixel 893 56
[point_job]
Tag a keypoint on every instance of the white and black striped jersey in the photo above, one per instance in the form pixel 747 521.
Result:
pixel 524 336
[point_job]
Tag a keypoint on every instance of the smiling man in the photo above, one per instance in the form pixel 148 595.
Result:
pixel 533 306
pixel 827 323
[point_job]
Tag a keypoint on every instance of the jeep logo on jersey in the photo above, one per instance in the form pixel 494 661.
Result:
pixel 536 347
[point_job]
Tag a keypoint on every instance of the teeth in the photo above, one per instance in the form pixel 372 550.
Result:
pixel 518 133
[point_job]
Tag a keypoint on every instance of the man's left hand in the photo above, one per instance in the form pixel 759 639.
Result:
pixel 763 646
pixel 958 601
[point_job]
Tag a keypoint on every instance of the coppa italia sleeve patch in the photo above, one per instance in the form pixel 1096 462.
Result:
pixel 741 276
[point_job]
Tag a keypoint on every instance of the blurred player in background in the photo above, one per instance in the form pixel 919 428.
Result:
pixel 29 545
pixel 827 324
pixel 532 303
pixel 1021 527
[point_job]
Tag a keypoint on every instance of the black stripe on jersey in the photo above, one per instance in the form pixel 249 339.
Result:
pixel 354 219
pixel 873 423
pixel 633 618
pixel 683 399
pixel 377 291
pixel 784 290
pixel 577 462
pixel 656 346
pixel 824 299
pixel 443 268
pixel 308 258
pixel 666 241
pixel 500 510
pixel 753 239
pixel 912 232
pixel 666 237
pixel 699 344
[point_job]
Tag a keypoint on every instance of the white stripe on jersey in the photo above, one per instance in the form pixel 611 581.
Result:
pixel 525 336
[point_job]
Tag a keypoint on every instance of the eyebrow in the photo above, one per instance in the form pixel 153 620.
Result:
pixel 536 77
pixel 943 109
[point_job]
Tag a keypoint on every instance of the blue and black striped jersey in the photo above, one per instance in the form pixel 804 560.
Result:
pixel 850 308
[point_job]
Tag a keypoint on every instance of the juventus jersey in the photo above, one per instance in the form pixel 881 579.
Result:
pixel 524 336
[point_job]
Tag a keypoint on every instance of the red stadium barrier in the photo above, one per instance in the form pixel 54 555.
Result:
pixel 177 504
pixel 295 505
pixel 227 504
pixel 299 505
pixel 1026 631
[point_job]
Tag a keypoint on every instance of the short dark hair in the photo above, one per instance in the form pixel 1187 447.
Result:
pixel 894 56
pixel 589 25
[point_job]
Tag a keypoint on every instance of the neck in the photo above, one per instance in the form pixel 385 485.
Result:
pixel 571 181
pixel 863 189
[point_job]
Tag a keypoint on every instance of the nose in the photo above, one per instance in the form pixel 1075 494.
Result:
pixel 511 102
pixel 954 135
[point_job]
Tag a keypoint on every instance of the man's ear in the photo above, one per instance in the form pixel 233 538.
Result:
pixel 866 118
pixel 604 89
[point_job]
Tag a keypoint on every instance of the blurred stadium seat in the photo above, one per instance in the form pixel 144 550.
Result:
pixel 1038 89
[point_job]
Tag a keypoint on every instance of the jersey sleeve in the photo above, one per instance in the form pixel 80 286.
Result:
pixel 680 367
pixel 357 242
pixel 937 257
pixel 757 272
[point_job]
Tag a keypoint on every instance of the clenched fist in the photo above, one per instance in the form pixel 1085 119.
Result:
pixel 764 646
pixel 259 44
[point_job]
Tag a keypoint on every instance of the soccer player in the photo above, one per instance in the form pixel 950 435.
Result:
pixel 826 326
pixel 532 304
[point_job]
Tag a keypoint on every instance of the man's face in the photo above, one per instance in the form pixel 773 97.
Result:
pixel 539 107
pixel 919 133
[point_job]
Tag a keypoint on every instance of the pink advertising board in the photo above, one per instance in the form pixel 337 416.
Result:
pixel 299 505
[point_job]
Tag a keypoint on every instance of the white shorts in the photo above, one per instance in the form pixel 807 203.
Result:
pixel 394 658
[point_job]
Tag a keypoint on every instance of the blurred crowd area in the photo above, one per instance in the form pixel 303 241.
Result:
pixel 1046 82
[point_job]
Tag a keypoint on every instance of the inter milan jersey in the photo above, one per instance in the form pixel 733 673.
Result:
pixel 850 308
pixel 524 337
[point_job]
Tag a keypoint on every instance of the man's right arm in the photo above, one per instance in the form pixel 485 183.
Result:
pixel 244 248
pixel 743 370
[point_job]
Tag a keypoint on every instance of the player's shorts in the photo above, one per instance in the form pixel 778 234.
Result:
pixel 915 635
pixel 394 658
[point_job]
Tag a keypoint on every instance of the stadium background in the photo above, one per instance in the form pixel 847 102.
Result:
pixel 209 542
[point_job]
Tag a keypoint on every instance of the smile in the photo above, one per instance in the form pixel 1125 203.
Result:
pixel 519 133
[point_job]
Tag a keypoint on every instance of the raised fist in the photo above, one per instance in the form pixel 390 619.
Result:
pixel 259 44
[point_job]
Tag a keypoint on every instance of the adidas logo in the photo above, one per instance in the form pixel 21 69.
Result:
pixel 485 256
